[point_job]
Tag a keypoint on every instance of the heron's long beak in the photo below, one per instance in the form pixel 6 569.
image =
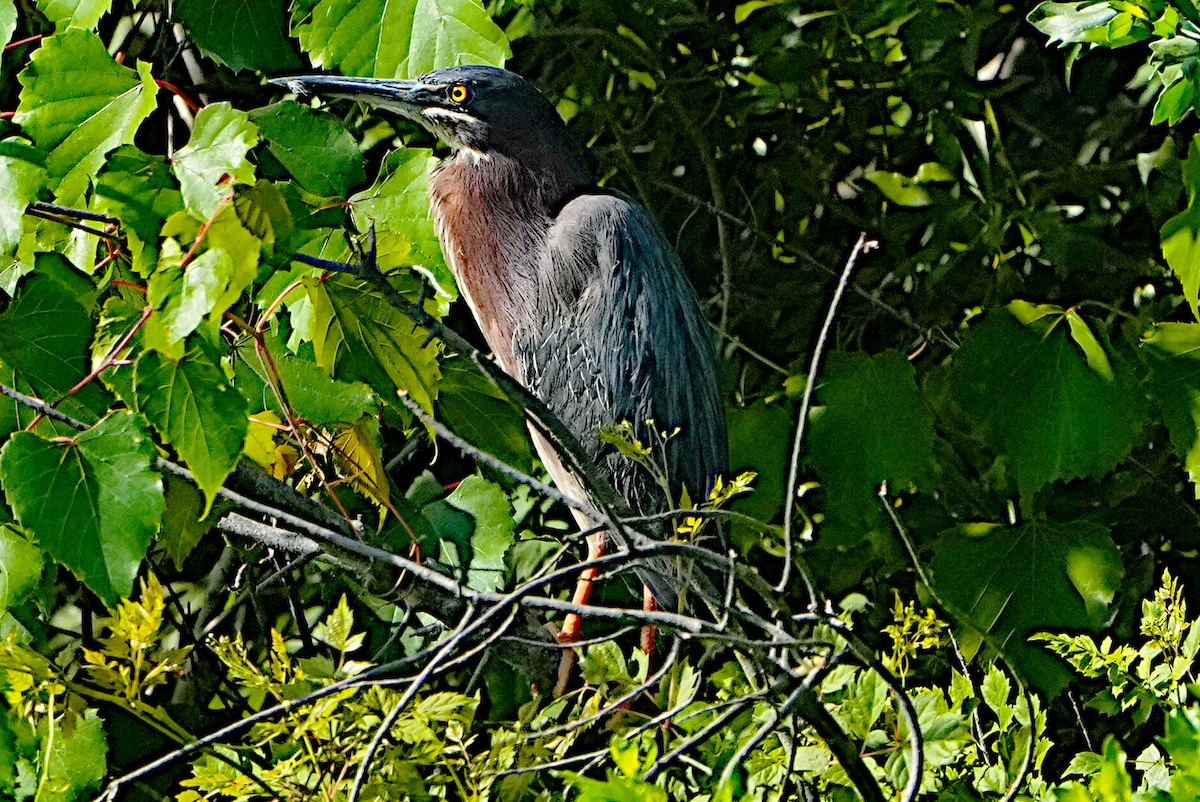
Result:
pixel 403 97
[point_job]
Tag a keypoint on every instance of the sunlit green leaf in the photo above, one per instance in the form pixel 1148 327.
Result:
pixel 22 175
pixel 78 756
pixel 900 188
pixel 83 14
pixel 78 104
pixel 398 206
pixel 359 337
pixel 183 295
pixel 20 567
pixel 488 506
pixel 195 410
pixel 93 501
pixel 214 159
pixel 400 39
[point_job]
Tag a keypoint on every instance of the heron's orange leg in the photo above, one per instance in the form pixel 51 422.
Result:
pixel 649 604
pixel 572 623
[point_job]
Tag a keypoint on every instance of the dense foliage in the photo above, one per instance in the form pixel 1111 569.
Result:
pixel 272 529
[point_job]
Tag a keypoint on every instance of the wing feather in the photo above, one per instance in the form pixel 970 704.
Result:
pixel 619 335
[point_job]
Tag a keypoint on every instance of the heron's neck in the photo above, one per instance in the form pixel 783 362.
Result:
pixel 492 215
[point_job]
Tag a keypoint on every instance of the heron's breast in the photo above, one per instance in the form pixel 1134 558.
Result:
pixel 484 253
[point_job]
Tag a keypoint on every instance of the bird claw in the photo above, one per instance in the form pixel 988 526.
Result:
pixel 367 266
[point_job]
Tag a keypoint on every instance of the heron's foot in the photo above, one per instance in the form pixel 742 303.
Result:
pixel 365 266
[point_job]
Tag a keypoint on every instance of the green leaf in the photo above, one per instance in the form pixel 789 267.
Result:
pixel 1174 101
pixel 1182 741
pixel 360 337
pixel 22 176
pixel 226 233
pixel 476 410
pixel 1007 582
pixel 616 789
pixel 315 148
pixel 78 104
pixel 214 159
pixel 78 757
pixel 139 190
pixel 488 505
pixel 1067 23
pixel 336 629
pixel 20 568
pixel 899 188
pixel 83 14
pixel 398 206
pixel 1032 392
pixel 1181 248
pixel 1172 352
pixel 93 501
pixel 183 296
pixel 388 39
pixel 240 33
pixel 875 427
pixel 44 335
pixel 8 23
pixel 184 522
pixel 319 399
pixel 195 410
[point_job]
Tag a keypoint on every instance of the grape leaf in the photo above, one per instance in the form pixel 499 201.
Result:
pixel 83 14
pixel 389 39
pixel 360 337
pixel 315 148
pixel 1007 582
pixel 78 104
pixel 22 175
pixel 359 457
pixel 44 335
pixel 20 568
pixel 319 399
pixel 1033 392
pixel 183 523
pixel 183 296
pixel 875 427
pixel 492 537
pixel 474 409
pixel 1180 236
pixel 139 190
pixel 214 158
pixel 240 33
pixel 196 410
pixel 78 757
pixel 94 501
pixel 1172 352
pixel 8 23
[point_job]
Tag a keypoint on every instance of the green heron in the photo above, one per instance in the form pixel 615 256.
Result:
pixel 577 291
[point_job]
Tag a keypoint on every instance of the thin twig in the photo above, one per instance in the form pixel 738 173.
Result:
pixel 802 420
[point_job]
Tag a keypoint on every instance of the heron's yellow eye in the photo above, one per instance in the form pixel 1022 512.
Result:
pixel 459 93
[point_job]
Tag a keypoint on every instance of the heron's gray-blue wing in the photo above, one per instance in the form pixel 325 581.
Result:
pixel 619 336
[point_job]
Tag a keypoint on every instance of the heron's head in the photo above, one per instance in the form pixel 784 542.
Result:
pixel 474 108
